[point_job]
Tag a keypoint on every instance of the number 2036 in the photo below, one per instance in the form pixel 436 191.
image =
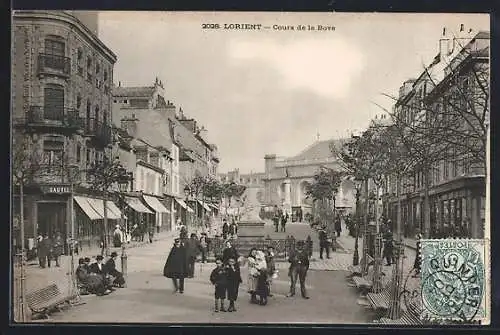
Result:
pixel 210 26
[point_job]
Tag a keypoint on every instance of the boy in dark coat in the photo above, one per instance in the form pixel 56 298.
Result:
pixel 218 277
pixel 233 283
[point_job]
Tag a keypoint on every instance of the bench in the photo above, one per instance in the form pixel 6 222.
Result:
pixel 44 300
pixel 406 318
pixel 381 300
pixel 356 269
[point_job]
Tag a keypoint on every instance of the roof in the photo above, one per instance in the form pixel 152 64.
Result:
pixel 153 128
pixel 139 91
pixel 317 150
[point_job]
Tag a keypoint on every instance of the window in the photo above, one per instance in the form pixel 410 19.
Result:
pixel 114 101
pixel 52 154
pixel 96 118
pixel 79 61
pixel 78 102
pixel 78 153
pixel 89 111
pixel 97 68
pixel 105 76
pixel 89 69
pixel 53 102
pixel 54 47
pixel 88 158
pixel 125 101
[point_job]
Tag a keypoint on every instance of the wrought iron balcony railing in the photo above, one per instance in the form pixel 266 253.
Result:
pixel 101 132
pixel 54 117
pixel 54 65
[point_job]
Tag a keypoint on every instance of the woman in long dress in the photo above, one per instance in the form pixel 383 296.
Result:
pixel 253 272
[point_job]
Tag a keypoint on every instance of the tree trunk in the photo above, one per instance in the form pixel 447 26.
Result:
pixel 364 262
pixel 395 306
pixel 427 208
pixel 105 221
pixel 23 265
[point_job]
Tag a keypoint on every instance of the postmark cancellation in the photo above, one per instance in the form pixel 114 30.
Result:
pixel 455 280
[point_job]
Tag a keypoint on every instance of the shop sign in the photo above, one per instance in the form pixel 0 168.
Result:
pixel 57 189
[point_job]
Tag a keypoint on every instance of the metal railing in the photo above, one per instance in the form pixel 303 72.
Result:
pixel 50 64
pixel 99 130
pixel 53 117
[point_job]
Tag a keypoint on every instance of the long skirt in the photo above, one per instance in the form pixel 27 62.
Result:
pixel 252 283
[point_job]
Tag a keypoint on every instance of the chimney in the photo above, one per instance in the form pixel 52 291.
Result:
pixel 130 125
pixel 444 43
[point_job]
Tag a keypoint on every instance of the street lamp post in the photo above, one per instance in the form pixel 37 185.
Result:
pixel 355 256
pixel 123 186
pixel 187 193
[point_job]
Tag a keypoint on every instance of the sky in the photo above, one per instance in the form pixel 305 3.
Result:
pixel 271 91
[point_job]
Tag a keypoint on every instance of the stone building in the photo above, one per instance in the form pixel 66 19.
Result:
pixel 456 181
pixel 145 114
pixel 286 179
pixel 61 103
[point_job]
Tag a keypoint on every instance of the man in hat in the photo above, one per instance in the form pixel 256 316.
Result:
pixel 99 269
pixel 176 266
pixel 193 249
pixel 299 264
pixel 110 268
pixel 324 244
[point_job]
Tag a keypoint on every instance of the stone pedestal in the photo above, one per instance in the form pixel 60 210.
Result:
pixel 251 232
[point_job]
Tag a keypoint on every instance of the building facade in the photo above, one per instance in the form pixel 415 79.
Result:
pixel 61 103
pixel 147 116
pixel 286 179
pixel 456 180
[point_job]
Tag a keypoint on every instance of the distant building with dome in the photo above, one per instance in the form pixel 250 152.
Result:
pixel 286 178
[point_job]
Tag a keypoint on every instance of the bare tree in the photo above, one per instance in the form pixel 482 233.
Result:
pixel 104 176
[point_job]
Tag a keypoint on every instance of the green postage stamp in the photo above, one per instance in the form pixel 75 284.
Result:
pixel 455 280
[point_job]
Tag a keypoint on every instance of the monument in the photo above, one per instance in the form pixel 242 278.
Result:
pixel 251 231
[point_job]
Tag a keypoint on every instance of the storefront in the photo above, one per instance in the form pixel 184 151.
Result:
pixel 140 218
pixel 161 212
pixel 456 208
pixel 89 220
pixel 183 212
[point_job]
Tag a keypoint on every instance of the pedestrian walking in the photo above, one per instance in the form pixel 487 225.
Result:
pixel 57 248
pixel 117 237
pixel 388 247
pixel 42 251
pixel 176 266
pixel 233 230
pixel 299 264
pixel 276 220
pixel 324 244
pixel 417 263
pixel 151 233
pixel 284 220
pixel 338 226
pixel 233 283
pixel 192 249
pixel 218 278
pixel 203 244
pixel 271 268
pixel 225 229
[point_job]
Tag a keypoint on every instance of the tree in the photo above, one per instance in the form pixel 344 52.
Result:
pixel 104 177
pixel 26 158
pixel 323 188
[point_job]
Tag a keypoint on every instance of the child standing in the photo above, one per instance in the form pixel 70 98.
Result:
pixel 233 283
pixel 218 277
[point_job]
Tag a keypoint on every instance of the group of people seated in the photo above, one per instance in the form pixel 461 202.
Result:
pixel 99 278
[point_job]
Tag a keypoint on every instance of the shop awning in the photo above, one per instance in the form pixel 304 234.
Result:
pixel 184 205
pixel 87 208
pixel 137 205
pixel 204 205
pixel 155 204
pixel 213 206
pixel 112 212
pixel 112 207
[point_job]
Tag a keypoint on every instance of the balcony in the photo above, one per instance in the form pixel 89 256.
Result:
pixel 60 120
pixel 53 65
pixel 99 133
